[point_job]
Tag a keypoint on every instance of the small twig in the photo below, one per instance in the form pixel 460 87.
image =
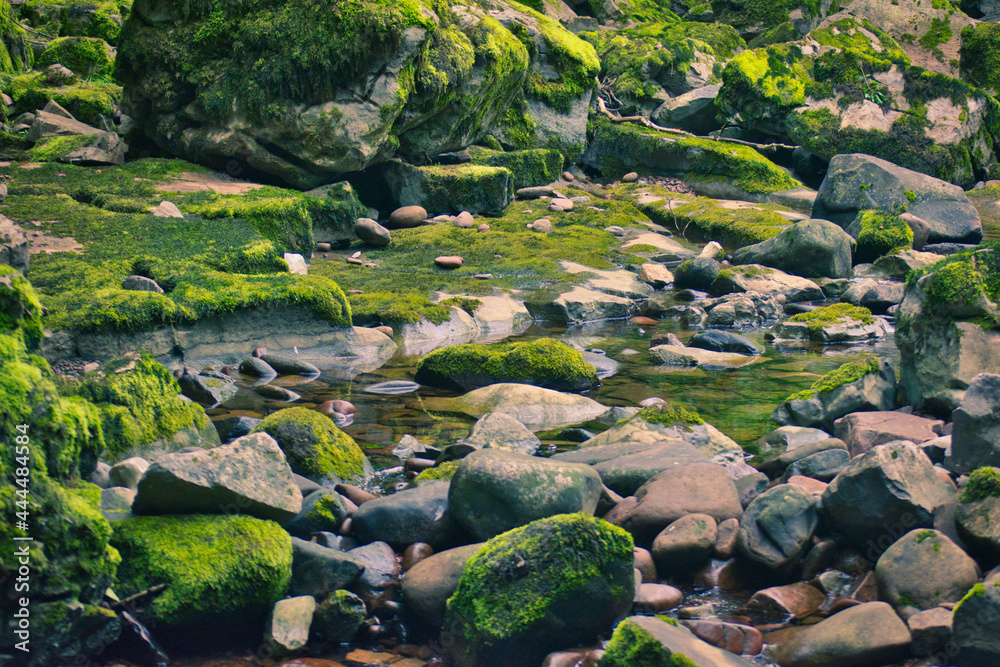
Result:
pixel 127 602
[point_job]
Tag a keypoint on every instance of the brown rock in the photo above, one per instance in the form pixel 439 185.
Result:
pixel 725 541
pixel 406 217
pixel 808 484
pixel 863 430
pixel 415 553
pixel 644 563
pixel 685 543
pixel 641 320
pixel 354 494
pixel 781 604
pixel 866 635
pixel 448 261
pixel 386 330
pixel 735 638
pixel 652 598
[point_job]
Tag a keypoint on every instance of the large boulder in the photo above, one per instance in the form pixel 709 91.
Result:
pixel 976 627
pixel 544 363
pixel 693 488
pixel 496 430
pixel 975 439
pixel 554 583
pixel 537 408
pixel 648 640
pixel 861 431
pixel 879 233
pixel 625 466
pixel 890 489
pixel 427 585
pixel 247 476
pixel 947 328
pixel 977 514
pixel 767 282
pixel 315 447
pixel 777 527
pixel 923 569
pixel 858 182
pixel 495 490
pixel 869 384
pixel 393 77
pixel 217 570
pixel 866 635
pixel 451 188
pixel 811 248
pixel 419 514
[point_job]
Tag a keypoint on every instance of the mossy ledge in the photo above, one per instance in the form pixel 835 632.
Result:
pixel 829 315
pixel 852 371
pixel 544 363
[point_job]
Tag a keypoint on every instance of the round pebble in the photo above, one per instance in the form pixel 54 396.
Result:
pixel 449 261
pixel 630 177
pixel 656 597
pixel 323 247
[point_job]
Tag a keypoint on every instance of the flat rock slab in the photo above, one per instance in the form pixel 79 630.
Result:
pixel 677 355
pixel 863 430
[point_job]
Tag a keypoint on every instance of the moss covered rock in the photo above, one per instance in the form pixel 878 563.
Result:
pixel 544 363
pixel 754 18
pixel 87 100
pixel 879 233
pixel 538 166
pixel 216 569
pixel 980 56
pixel 451 189
pixel 647 641
pixel 867 384
pixel 87 18
pixel 617 148
pixel 554 583
pixel 88 57
pixel 313 444
pixel 16 55
pixel 841 322
pixel 811 248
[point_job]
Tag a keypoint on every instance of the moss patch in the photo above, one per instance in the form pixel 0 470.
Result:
pixel 86 100
pixel 852 371
pixel 830 315
pixel 631 646
pixel 439 473
pixel 313 444
pixel 538 166
pixel 983 483
pixel 959 281
pixel 881 233
pixel 980 56
pixel 216 569
pixel 667 414
pixel 90 58
pixel 544 363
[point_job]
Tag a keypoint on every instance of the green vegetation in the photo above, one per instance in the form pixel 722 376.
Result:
pixel 703 218
pixel 456 188
pixel 627 146
pixel 140 406
pixel 88 57
pixel 830 315
pixel 852 371
pixel 980 56
pixel 88 18
pixel 938 33
pixel 983 483
pixel 51 149
pixel 666 414
pixel 313 444
pixel 86 100
pixel 880 233
pixel 206 266
pixel 631 646
pixel 523 575
pixel 439 473
pixel 544 363
pixel 538 166
pixel 748 15
pixel 216 569
pixel 16 55
pixel 959 281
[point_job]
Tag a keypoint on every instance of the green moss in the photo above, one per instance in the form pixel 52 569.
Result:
pixel 980 55
pixel 456 188
pixel 829 315
pixel 86 100
pixel 705 219
pixel 906 601
pixel 631 646
pixel 517 577
pixel 938 33
pixel 89 18
pixel 442 472
pixel 750 15
pixel 544 363
pixel 852 371
pixel 539 166
pixel 88 57
pixel 666 153
pixel 881 233
pixel 960 280
pixel 140 406
pixel 216 569
pixel 313 444
pixel 16 55
pixel 285 220
pixel 666 414
pixel 983 483
pixel 52 149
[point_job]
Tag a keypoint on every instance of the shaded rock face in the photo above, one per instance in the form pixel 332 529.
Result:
pixel 868 634
pixel 13 245
pixel 811 248
pixel 855 182
pixel 344 93
pixel 976 627
pixel 975 441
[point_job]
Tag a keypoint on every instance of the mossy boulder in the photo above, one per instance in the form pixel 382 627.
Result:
pixel 868 384
pixel 334 212
pixel 732 223
pixel 617 148
pixel 217 569
pixel 841 322
pixel 879 233
pixel 451 188
pixel 88 57
pixel 557 582
pixel 980 56
pixel 811 248
pixel 544 363
pixel 538 166
pixel 88 18
pixel 923 569
pixel 87 100
pixel 313 444
pixel 650 63
pixel 16 55
pixel 660 641
pixel 976 626
pixel 753 18
pixel 948 327
pixel 977 515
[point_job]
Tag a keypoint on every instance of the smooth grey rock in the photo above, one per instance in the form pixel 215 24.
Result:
pixel 127 473
pixel 777 527
pixel 288 627
pixel 428 584
pixel 924 568
pixel 811 248
pixel 625 466
pixel 420 514
pixel 13 244
pixel 319 570
pixel 496 430
pixel 724 341
pixel 372 233
pixel 975 439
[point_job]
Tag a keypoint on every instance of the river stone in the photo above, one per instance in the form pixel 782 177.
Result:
pixel 407 217
pixel 288 627
pixel 780 604
pixel 822 466
pixel 677 646
pixel 372 233
pixel 625 466
pixel 494 490
pixel 655 275
pixel 13 245
pixel 673 355
pixel 276 393
pixel 577 305
pixel 420 514
pixel 944 206
pixel 694 111
pixel 685 544
pixel 930 629
pixel 392 387
pixel 658 423
pixel 975 439
pixel 166 209
pixel 379 582
pixel 428 584
pixel 117 501
pixel 289 365
pixel 256 367
pixel 874 295
pixel 209 389
pixel 127 473
pixel 319 570
pixel 537 408
pixel 766 281
pixel 777 527
pixel 141 284
pixel 875 390
pixel 339 617
pixel 247 476
pixel 698 273
pixel 923 569
pixel 496 430
pixel 977 518
pixel 787 438
pixel 811 249
pixel 867 635
pixel 861 431
pixel 693 488
pixel 556 582
pixel 976 627
pixel 323 509
pixel 889 488
pixel 653 598
pixel 899 264
pixel 724 341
